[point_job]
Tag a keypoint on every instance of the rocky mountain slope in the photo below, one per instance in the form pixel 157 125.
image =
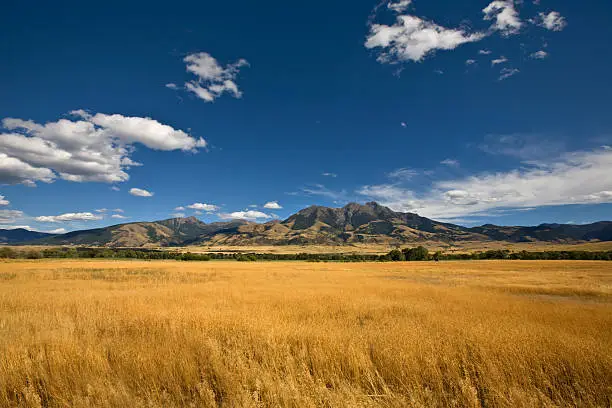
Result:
pixel 353 223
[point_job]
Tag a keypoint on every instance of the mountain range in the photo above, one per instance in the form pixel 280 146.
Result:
pixel 353 223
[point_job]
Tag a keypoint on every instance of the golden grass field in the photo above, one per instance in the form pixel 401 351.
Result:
pixel 290 334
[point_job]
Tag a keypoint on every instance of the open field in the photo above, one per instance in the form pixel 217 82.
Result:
pixel 291 334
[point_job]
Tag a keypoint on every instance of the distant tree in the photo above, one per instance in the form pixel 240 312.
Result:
pixel 8 253
pixel 419 253
pixel 397 255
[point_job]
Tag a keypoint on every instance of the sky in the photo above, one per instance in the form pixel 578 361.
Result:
pixel 468 112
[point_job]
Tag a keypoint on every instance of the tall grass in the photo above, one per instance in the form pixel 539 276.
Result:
pixel 472 334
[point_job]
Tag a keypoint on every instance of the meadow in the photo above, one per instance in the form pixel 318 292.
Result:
pixel 83 333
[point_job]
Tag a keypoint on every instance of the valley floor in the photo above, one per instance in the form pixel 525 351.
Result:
pixel 292 334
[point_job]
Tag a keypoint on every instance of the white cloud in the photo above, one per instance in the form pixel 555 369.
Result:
pixel 250 215
pixel 14 227
pixel 212 80
pixel 4 201
pixel 203 207
pixel 115 188
pixel 14 171
pixel 138 192
pixel 171 86
pixel 118 216
pixel 181 208
pixel 118 210
pixel 102 210
pixel 484 52
pixel 83 216
pixel 539 55
pixel 399 6
pixel 179 215
pixel 92 148
pixel 10 216
pixel 500 60
pixel 321 190
pixel 450 163
pixel 332 175
pixel 273 205
pixel 147 131
pixel 27 227
pixel 507 19
pixel 506 73
pixel 573 178
pixel 470 62
pixel 403 124
pixel 412 38
pixel 552 21
pixel 403 174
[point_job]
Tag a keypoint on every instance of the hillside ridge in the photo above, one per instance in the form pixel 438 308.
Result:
pixel 369 223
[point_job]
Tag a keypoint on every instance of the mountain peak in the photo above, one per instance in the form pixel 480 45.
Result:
pixel 353 223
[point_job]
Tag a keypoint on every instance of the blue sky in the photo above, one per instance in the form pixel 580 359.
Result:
pixel 472 113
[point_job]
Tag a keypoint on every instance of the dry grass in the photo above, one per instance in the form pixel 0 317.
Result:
pixel 471 334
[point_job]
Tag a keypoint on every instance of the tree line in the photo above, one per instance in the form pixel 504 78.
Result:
pixel 419 253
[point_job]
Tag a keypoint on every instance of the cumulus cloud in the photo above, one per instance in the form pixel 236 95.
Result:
pixel 580 177
pixel 94 148
pixel 250 215
pixel 4 201
pixel 180 208
pixel 399 6
pixel 273 205
pixel 539 55
pixel 82 216
pixel 57 231
pixel 506 73
pixel 412 39
pixel 203 207
pixel 118 216
pixel 506 17
pixel 500 60
pixel 10 216
pixel 552 21
pixel 212 80
pixel 15 171
pixel 139 192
